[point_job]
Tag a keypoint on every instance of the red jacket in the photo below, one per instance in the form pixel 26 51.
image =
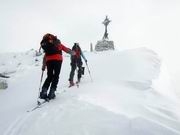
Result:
pixel 59 56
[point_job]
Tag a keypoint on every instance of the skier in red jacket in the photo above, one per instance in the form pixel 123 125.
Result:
pixel 52 60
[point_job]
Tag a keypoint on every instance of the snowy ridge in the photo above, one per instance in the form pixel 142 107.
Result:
pixel 137 65
pixel 122 99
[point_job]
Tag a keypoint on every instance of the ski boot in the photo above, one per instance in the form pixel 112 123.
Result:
pixel 43 94
pixel 51 94
pixel 71 83
pixel 78 81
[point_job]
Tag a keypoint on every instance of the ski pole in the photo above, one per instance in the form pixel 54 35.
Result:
pixel 89 71
pixel 40 86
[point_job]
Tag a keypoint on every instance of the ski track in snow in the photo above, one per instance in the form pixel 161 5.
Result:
pixel 120 100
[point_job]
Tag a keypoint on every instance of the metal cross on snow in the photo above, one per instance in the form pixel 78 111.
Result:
pixel 106 22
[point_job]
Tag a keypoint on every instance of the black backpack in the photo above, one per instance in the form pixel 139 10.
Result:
pixel 50 48
pixel 82 70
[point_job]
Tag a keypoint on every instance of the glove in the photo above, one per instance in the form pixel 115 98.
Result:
pixel 43 67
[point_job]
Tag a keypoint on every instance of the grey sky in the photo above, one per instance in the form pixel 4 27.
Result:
pixel 134 22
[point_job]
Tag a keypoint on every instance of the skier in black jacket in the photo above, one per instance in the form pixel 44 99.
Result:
pixel 76 61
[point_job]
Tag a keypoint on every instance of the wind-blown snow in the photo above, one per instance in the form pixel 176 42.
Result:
pixel 130 95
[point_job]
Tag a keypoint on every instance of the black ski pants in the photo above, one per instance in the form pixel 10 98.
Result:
pixel 74 64
pixel 53 71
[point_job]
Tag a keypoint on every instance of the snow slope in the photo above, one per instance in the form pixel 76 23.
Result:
pixel 130 95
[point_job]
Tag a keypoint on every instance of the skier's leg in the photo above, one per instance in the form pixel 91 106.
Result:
pixel 43 93
pixel 71 76
pixel 79 64
pixel 57 69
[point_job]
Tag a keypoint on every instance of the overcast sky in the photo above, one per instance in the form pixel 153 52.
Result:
pixel 135 23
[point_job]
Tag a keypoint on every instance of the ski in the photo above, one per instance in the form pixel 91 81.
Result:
pixel 39 105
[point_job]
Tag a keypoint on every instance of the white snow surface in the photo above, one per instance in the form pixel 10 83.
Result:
pixel 129 94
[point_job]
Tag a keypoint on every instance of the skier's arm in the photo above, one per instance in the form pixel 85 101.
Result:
pixel 67 50
pixel 83 56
